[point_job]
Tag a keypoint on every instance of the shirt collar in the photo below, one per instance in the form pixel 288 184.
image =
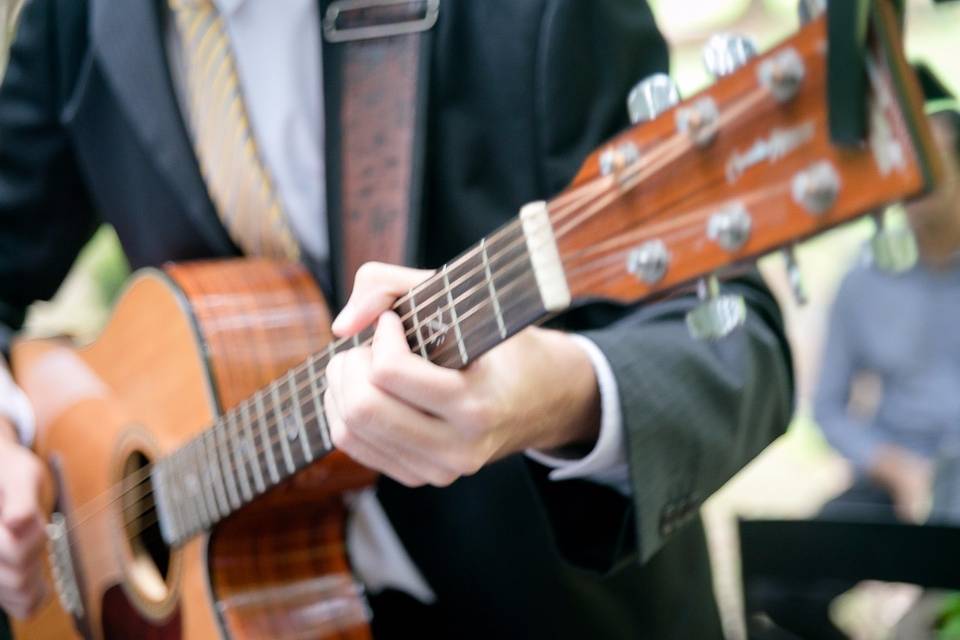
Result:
pixel 227 7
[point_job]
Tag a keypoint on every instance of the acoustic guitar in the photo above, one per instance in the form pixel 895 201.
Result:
pixel 198 492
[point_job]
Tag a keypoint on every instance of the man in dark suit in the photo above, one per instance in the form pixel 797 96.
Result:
pixel 101 120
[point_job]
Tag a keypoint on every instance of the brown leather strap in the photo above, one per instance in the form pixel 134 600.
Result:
pixel 383 81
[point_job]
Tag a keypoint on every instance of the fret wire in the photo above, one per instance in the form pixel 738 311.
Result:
pixel 206 480
pixel 318 407
pixel 498 312
pixel 236 440
pixel 251 450
pixel 527 308
pixel 453 316
pixel 251 439
pixel 195 488
pixel 226 464
pixel 219 488
pixel 172 477
pixel 416 325
pixel 270 451
pixel 280 425
pixel 298 416
pixel 294 385
pixel 356 341
pixel 206 486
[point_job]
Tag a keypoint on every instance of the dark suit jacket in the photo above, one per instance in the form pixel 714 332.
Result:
pixel 521 91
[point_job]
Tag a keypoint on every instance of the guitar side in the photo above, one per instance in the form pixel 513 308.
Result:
pixel 179 346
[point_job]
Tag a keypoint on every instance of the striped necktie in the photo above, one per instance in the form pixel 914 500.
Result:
pixel 237 179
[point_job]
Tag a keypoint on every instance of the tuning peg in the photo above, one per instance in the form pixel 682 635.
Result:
pixel 810 9
pixel 893 250
pixel 795 276
pixel 717 316
pixel 724 53
pixel 651 97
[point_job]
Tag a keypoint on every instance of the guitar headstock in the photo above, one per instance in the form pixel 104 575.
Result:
pixel 741 169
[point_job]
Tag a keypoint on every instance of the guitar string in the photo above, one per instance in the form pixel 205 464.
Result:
pixel 262 416
pixel 272 419
pixel 558 216
pixel 698 213
pixel 337 347
pixel 141 475
pixel 603 182
pixel 531 296
pixel 272 423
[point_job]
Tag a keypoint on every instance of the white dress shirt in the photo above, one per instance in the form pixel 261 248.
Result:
pixel 276 45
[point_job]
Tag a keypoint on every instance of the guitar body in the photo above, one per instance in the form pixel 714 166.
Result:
pixel 183 345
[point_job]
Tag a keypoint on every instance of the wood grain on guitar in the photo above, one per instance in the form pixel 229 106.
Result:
pixel 199 493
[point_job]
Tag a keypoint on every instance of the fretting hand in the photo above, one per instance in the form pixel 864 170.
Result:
pixel 420 423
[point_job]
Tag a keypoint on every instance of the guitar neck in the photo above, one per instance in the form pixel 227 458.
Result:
pixel 471 304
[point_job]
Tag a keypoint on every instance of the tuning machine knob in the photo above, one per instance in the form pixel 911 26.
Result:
pixel 724 53
pixel 894 250
pixel 651 97
pixel 810 9
pixel 717 316
pixel 795 276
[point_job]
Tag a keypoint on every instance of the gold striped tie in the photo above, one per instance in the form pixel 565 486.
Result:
pixel 238 181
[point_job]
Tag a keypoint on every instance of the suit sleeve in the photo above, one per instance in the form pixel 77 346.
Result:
pixel 694 413
pixel 45 211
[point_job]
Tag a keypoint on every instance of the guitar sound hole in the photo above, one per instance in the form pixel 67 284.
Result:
pixel 150 556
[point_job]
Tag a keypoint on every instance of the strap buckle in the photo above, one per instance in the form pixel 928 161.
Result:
pixel 364 24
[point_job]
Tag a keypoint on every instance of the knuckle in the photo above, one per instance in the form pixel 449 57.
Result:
pixel 443 478
pixel 368 272
pixel 476 415
pixel 383 372
pixel 362 408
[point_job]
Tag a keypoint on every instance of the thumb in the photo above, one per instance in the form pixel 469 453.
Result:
pixel 376 287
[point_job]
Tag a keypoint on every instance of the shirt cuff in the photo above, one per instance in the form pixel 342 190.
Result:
pixel 15 406
pixel 606 463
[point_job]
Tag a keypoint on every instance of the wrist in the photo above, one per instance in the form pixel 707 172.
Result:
pixel 576 421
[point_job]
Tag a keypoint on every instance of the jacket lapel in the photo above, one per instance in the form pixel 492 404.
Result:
pixel 127 41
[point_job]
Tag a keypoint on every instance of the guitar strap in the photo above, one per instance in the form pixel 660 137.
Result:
pixel 380 64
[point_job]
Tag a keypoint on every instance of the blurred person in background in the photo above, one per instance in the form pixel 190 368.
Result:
pixel 888 398
pixel 896 335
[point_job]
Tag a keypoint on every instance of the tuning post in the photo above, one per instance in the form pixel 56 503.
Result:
pixel 699 121
pixel 782 74
pixel 724 53
pixel 816 188
pixel 615 159
pixel 730 227
pixel 795 276
pixel 810 9
pixel 717 316
pixel 894 250
pixel 649 261
pixel 651 97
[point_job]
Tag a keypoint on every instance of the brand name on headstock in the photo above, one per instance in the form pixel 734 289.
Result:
pixel 770 149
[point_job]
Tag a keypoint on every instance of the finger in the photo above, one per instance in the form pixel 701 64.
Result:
pixel 386 434
pixel 26 588
pixel 21 551
pixel 407 376
pixel 20 506
pixel 24 604
pixel 376 287
pixel 363 452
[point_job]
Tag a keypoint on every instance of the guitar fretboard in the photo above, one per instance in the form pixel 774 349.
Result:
pixel 469 306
